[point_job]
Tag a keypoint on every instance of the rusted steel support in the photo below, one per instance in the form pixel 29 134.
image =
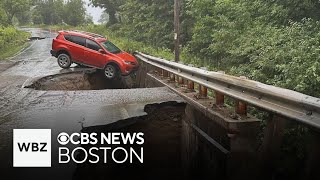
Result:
pixel 190 85
pixel 159 70
pixel 172 77
pixel 241 108
pixel 181 80
pixel 203 91
pixel 219 98
pixel 165 74
pixel 152 68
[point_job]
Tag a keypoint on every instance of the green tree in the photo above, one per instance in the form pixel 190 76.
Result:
pixel 104 18
pixel 12 7
pixel 37 17
pixel 24 17
pixel 149 21
pixel 75 12
pixel 299 9
pixel 51 11
pixel 111 7
pixel 88 19
pixel 3 17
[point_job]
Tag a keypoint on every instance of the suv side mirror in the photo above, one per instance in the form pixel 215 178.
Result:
pixel 102 51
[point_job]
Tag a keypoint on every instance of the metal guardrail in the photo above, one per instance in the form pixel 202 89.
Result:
pixel 283 102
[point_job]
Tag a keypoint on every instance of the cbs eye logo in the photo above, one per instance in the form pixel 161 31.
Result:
pixel 63 138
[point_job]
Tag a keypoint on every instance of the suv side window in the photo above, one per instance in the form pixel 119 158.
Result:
pixel 92 45
pixel 68 38
pixel 76 39
pixel 79 40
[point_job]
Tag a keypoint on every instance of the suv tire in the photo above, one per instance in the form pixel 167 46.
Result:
pixel 110 71
pixel 64 61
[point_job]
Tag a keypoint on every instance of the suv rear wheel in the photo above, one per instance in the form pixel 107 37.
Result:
pixel 110 71
pixel 64 61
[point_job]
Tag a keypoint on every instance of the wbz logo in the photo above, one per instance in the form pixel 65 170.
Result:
pixel 31 148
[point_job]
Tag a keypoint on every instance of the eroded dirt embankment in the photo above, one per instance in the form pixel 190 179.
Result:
pixel 86 80
pixel 162 147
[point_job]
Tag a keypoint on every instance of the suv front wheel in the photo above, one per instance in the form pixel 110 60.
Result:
pixel 64 61
pixel 110 71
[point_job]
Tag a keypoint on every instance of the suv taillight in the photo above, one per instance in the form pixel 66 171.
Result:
pixel 53 43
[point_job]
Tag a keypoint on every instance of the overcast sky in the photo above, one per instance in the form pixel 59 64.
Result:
pixel 94 12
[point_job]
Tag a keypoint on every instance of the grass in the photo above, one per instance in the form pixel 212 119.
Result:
pixel 12 41
pixel 12 50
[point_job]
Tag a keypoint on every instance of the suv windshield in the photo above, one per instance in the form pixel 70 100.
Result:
pixel 111 47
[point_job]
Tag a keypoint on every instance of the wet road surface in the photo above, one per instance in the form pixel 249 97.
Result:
pixel 61 111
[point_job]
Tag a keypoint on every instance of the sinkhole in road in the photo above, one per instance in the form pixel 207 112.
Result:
pixel 36 38
pixel 81 80
pixel 162 127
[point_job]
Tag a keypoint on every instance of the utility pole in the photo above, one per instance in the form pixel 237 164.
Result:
pixel 177 5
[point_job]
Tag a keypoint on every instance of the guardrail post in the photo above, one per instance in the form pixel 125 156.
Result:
pixel 219 98
pixel 190 85
pixel 181 80
pixel 203 91
pixel 172 77
pixel 159 71
pixel 241 108
pixel 165 73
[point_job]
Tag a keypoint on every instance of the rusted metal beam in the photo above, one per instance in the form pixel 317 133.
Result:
pixel 190 85
pixel 219 98
pixel 165 74
pixel 181 80
pixel 241 108
pixel 172 77
pixel 203 91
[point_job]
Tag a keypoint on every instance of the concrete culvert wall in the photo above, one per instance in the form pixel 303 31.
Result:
pixel 88 80
pixel 166 153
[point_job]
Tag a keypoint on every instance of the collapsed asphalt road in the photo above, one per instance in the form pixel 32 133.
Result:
pixel 61 111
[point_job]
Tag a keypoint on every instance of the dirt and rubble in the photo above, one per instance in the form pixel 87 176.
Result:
pixel 162 148
pixel 86 80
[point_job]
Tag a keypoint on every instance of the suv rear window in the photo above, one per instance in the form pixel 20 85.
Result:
pixel 76 39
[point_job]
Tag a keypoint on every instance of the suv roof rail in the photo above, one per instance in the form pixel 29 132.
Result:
pixel 90 34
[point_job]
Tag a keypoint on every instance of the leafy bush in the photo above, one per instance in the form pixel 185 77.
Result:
pixel 11 39
pixel 255 39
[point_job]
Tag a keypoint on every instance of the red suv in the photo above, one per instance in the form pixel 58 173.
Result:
pixel 92 50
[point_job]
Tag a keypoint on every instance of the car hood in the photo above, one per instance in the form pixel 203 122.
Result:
pixel 126 56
